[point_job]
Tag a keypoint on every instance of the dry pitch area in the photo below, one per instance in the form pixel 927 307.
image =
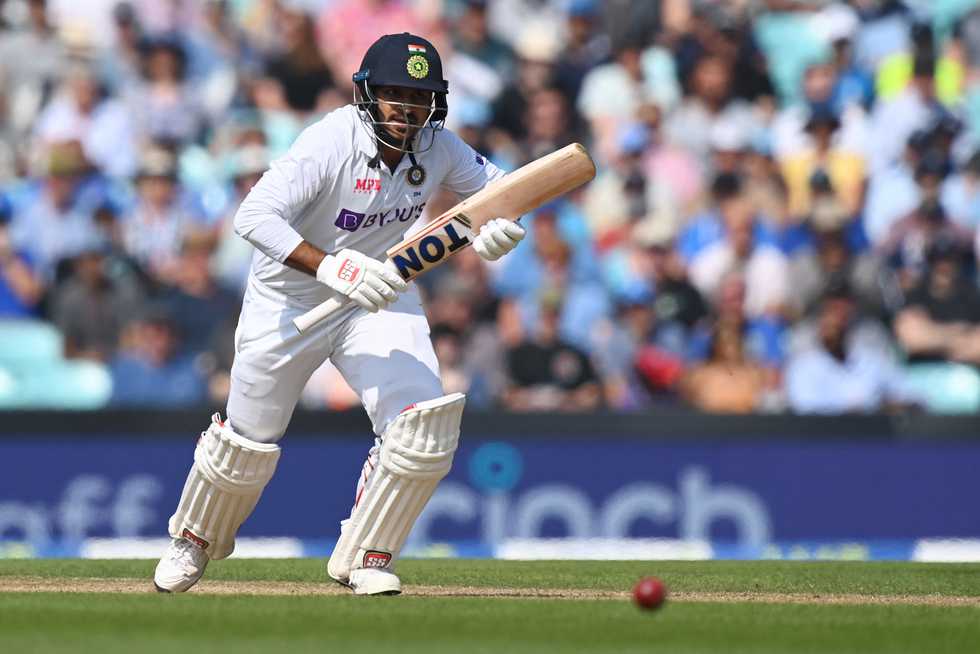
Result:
pixel 495 606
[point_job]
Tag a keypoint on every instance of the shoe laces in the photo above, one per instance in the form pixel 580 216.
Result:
pixel 185 554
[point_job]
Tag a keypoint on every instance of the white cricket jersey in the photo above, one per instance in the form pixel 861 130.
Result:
pixel 323 191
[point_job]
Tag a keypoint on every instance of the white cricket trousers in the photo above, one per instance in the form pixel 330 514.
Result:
pixel 386 358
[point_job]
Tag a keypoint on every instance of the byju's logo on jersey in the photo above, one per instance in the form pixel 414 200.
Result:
pixel 367 185
pixel 349 220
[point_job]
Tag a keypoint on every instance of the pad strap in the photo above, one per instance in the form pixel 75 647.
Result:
pixel 416 453
pixel 223 486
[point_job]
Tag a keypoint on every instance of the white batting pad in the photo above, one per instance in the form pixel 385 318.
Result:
pixel 416 453
pixel 224 484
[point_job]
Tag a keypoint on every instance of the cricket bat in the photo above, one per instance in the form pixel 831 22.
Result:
pixel 512 196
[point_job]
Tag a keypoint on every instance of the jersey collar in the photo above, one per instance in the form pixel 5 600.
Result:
pixel 366 145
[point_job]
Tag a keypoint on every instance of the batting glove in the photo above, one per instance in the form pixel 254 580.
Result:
pixel 497 238
pixel 366 281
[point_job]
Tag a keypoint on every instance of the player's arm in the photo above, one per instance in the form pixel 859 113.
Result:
pixel 469 172
pixel 264 217
pixel 364 280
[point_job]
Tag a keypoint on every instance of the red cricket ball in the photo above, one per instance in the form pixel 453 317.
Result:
pixel 649 593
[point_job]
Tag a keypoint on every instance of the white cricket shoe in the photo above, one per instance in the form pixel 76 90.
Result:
pixel 181 567
pixel 372 581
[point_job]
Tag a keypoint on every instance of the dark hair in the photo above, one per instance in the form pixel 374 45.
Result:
pixel 924 65
pixel 726 186
pixel 837 287
pixel 945 248
pixel 820 182
pixel 932 211
pixel 822 114
pixel 933 164
pixel 169 44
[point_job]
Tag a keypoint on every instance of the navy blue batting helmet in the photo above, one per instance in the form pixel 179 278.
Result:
pixel 405 60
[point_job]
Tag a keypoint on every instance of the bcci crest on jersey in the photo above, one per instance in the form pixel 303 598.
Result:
pixel 432 248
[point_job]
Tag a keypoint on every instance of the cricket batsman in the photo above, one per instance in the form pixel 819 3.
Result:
pixel 321 219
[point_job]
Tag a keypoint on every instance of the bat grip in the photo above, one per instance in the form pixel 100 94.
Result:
pixel 317 314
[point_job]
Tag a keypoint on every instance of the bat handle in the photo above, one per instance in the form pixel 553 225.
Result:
pixel 317 314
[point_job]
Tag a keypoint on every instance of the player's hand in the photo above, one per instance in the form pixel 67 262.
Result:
pixel 497 238
pixel 366 281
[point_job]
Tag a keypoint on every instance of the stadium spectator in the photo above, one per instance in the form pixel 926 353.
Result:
pixel 121 63
pixel 708 101
pixel 149 369
pixel 92 305
pixel 728 381
pixel 463 310
pixel 622 192
pixel 298 79
pixel 546 373
pixel 909 239
pixel 616 343
pixel 555 262
pixel 613 93
pixel 30 59
pixel 841 363
pixel 20 287
pixel 153 232
pixel 960 194
pixel 479 65
pixel 854 85
pixel 762 337
pixel 55 222
pixel 218 46
pixel 471 37
pixel 164 107
pixel 202 312
pixel 586 45
pixel 941 317
pixel 843 170
pixel 739 249
pixel 83 112
pixel 233 255
pixel 536 52
pixel 831 253
pixel 892 191
pixel 806 147
pixel 348 27
pixel 894 120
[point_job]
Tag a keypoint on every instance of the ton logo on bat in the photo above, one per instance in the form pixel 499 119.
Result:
pixel 429 250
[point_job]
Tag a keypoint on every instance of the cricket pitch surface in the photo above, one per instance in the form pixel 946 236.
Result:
pixel 254 605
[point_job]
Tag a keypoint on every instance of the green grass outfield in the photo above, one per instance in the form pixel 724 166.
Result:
pixel 286 606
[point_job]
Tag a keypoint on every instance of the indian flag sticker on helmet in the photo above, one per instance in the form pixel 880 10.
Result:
pixel 416 49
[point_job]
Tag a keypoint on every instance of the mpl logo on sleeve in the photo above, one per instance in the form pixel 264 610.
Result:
pixel 367 185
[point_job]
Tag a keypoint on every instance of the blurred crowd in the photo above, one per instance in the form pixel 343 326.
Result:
pixel 785 216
